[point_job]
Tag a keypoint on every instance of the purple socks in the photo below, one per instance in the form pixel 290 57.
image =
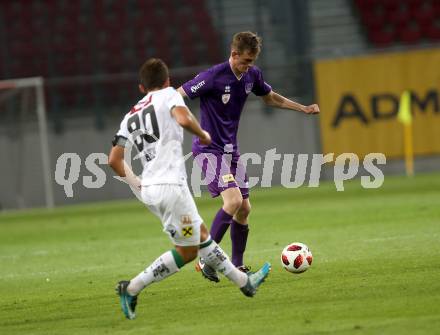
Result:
pixel 220 225
pixel 239 234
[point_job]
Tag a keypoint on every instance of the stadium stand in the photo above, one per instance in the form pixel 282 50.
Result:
pixel 389 22
pixel 62 38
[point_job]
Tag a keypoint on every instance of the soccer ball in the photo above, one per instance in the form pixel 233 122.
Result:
pixel 296 257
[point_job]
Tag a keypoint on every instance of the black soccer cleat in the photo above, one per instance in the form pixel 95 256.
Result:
pixel 207 271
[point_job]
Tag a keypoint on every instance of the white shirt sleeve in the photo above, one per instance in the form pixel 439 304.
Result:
pixel 123 129
pixel 174 100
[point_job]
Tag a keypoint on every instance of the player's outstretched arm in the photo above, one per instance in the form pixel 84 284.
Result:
pixel 274 99
pixel 187 120
pixel 117 163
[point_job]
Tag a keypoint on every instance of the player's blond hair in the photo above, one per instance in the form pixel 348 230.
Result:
pixel 246 41
pixel 153 73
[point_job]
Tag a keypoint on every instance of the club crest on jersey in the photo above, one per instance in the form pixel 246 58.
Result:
pixel 185 219
pixel 225 98
pixel 248 87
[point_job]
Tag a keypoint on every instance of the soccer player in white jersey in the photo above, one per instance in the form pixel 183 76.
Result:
pixel 155 126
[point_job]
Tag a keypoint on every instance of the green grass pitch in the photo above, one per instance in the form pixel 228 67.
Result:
pixel 376 266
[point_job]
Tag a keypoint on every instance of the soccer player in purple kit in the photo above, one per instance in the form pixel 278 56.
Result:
pixel 223 90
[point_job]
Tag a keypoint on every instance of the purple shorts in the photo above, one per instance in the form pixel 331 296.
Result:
pixel 222 171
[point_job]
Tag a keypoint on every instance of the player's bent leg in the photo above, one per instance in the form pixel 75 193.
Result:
pixel 232 200
pixel 231 203
pixel 239 234
pixel 242 214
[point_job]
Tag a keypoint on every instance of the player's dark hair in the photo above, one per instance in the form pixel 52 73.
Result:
pixel 153 73
pixel 246 41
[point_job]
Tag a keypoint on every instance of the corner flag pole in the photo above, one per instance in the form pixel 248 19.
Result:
pixel 404 115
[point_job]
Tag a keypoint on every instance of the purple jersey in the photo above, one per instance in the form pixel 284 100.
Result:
pixel 222 97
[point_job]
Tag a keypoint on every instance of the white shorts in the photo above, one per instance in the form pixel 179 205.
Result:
pixel 176 209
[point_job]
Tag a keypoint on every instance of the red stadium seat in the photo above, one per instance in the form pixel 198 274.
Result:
pixel 374 20
pixel 433 32
pixel 415 5
pixel 382 38
pixel 435 5
pixel 189 54
pixel 391 21
pixel 399 17
pixel 424 16
pixel 365 5
pixel 410 33
pixel 392 5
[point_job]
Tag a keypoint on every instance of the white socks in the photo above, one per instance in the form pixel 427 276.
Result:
pixel 216 258
pixel 162 267
pixel 170 263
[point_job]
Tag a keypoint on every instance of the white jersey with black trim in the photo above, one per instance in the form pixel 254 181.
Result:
pixel 151 128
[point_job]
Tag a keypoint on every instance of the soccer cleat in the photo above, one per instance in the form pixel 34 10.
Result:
pixel 207 271
pixel 128 302
pixel 255 279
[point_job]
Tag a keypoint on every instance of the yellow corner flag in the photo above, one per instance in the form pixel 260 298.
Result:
pixel 404 115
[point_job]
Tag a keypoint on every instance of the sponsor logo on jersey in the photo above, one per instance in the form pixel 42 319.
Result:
pixel 248 87
pixel 194 88
pixel 187 231
pixel 227 178
pixel 225 98
pixel 227 89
